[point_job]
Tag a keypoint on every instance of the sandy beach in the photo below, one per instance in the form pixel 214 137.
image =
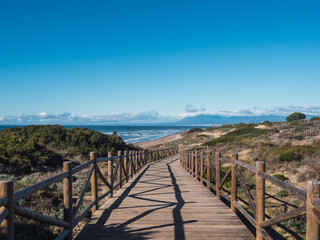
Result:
pixel 159 142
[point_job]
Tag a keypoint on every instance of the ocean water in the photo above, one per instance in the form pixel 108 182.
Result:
pixel 132 134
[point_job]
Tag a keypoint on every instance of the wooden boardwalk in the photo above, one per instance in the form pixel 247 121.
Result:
pixel 164 202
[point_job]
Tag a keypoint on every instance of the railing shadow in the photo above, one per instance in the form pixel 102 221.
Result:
pixel 122 229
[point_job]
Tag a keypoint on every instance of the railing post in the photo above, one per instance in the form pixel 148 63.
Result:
pixel 233 182
pixel 208 169
pixel 130 164
pixel 260 191
pixel 218 174
pixel 94 182
pixel 189 161
pixel 120 169
pixel 110 173
pixel 196 164
pixel 149 160
pixel 7 225
pixel 67 197
pixel 313 191
pixel 125 163
pixel 192 163
pixel 136 159
pixel 201 167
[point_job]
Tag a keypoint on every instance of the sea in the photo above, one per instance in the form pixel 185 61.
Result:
pixel 131 134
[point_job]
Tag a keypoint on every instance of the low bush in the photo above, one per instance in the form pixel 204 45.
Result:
pixel 281 177
pixel 296 116
pixel 194 130
pixel 282 193
pixel 289 156
pixel 315 119
pixel 243 131
pixel 38 147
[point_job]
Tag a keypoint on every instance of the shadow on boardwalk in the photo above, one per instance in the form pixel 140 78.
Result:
pixel 100 229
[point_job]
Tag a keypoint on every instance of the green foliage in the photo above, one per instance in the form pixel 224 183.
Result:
pixel 243 131
pixel 282 193
pixel 299 138
pixel 301 129
pixel 202 136
pixel 315 119
pixel 37 147
pixel 194 130
pixel 296 116
pixel 267 123
pixel 289 156
pixel 298 224
pixel 281 177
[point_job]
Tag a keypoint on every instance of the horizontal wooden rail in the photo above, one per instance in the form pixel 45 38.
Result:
pixel 294 190
pixel 215 179
pixel 121 168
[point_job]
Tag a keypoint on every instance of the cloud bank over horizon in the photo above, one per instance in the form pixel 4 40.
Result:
pixel 149 117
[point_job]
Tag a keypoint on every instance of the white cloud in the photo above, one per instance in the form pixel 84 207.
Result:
pixel 190 109
pixel 68 118
pixel 148 117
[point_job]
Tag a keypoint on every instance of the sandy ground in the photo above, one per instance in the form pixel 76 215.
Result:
pixel 160 141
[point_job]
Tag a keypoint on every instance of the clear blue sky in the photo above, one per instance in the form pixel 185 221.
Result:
pixel 111 57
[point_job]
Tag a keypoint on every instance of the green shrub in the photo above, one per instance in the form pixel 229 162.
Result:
pixel 289 156
pixel 202 136
pixel 296 116
pixel 194 130
pixel 315 119
pixel 299 138
pixel 37 147
pixel 282 193
pixel 267 123
pixel 280 177
pixel 298 224
pixel 243 131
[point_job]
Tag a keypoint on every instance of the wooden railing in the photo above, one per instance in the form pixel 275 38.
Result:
pixel 121 168
pixel 206 167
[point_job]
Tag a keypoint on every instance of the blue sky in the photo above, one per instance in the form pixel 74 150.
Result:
pixel 158 59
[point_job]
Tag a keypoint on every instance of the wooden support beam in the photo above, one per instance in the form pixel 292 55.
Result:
pixel 67 197
pixel 110 173
pixel 218 174
pixel 208 168
pixel 120 168
pixel 313 230
pixel 201 167
pixel 125 164
pixel 233 182
pixel 260 198
pixel 7 225
pixel 196 164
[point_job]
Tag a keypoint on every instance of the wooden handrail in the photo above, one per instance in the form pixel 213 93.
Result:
pixel 126 163
pixel 257 204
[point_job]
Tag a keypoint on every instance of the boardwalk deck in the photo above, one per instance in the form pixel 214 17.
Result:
pixel 164 202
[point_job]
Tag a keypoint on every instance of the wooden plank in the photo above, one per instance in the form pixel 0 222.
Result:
pixel 163 201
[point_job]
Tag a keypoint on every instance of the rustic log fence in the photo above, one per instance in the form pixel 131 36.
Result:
pixel 206 168
pixel 121 168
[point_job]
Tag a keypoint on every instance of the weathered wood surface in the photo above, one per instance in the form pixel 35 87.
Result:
pixel 164 202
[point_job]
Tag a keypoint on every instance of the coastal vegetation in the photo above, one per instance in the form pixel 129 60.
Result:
pixel 43 148
pixel 291 151
pixel 296 116
pixel 34 153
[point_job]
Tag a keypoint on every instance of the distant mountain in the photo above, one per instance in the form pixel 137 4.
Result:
pixel 204 119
